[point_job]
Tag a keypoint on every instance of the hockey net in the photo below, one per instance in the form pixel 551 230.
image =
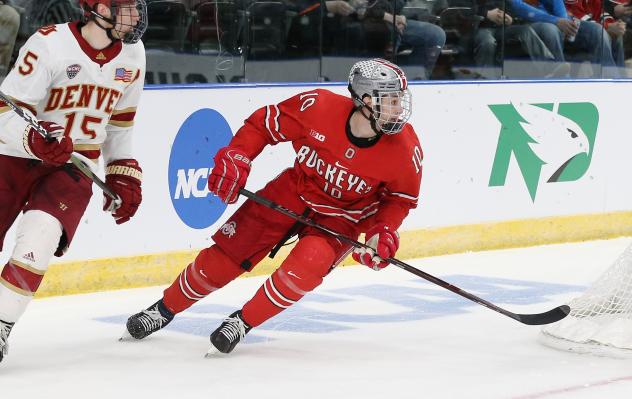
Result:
pixel 600 321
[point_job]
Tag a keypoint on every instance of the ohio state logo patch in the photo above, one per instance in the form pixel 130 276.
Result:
pixel 229 229
pixel 73 70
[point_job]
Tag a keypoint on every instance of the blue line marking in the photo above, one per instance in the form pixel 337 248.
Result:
pixel 422 301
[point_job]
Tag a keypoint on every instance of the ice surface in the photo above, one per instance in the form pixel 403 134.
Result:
pixel 362 334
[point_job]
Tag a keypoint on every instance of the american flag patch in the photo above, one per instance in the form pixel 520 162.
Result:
pixel 123 74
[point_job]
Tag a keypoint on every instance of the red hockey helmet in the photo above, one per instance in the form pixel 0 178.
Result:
pixel 127 32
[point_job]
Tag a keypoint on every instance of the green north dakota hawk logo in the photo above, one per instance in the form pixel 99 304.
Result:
pixel 550 142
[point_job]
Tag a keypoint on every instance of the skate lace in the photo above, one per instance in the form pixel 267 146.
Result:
pixel 234 328
pixel 4 336
pixel 152 319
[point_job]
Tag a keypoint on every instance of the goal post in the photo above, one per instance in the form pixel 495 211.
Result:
pixel 600 321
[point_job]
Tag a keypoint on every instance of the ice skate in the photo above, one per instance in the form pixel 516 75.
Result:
pixel 148 321
pixel 228 334
pixel 5 329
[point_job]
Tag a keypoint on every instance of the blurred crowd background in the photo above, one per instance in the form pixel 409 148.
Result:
pixel 202 41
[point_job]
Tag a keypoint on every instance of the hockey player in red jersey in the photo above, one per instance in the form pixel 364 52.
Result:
pixel 357 169
pixel 83 81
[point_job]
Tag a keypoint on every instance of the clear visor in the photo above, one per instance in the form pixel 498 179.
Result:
pixel 392 110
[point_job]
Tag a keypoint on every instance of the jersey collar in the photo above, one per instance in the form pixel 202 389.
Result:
pixel 101 57
pixel 362 142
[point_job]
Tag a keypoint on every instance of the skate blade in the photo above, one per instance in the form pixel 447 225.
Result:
pixel 126 336
pixel 213 352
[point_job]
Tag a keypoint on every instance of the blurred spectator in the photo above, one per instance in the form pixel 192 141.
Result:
pixel 619 9
pixel 348 34
pixel 622 10
pixel 426 39
pixel 38 13
pixel 549 20
pixel 9 25
pixel 592 40
pixel 603 41
pixel 339 27
pixel 497 23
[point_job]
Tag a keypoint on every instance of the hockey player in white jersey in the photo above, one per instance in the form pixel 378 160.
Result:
pixel 82 81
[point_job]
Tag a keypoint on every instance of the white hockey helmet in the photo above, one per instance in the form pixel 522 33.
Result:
pixel 386 84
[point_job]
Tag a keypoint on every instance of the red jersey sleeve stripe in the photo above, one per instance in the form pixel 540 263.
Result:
pixel 277 126
pixel 406 196
pixel 272 123
pixel 123 117
pixel 268 119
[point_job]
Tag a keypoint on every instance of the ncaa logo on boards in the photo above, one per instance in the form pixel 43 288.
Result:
pixel 200 136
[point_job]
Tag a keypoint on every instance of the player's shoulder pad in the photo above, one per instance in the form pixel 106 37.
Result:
pixel 50 38
pixel 317 99
pixel 329 95
pixel 135 51
pixel 408 137
pixel 50 30
pixel 404 143
pixel 53 33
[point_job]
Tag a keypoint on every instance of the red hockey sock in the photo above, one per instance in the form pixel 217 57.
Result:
pixel 302 271
pixel 212 269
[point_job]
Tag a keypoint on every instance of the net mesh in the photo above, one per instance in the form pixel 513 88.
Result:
pixel 601 318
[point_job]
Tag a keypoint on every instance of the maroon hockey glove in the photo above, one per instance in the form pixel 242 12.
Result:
pixel 384 242
pixel 55 150
pixel 229 174
pixel 124 178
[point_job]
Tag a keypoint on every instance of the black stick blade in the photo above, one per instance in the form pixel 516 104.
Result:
pixel 549 317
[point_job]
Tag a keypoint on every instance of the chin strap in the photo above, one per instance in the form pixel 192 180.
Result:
pixel 108 31
pixel 371 119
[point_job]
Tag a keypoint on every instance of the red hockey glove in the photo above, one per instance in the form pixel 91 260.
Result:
pixel 55 150
pixel 124 178
pixel 384 243
pixel 229 174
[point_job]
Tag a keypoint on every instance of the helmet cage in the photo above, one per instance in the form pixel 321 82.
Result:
pixel 127 33
pixel 387 86
pixel 391 110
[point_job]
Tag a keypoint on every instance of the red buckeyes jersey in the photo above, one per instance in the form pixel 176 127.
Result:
pixel 337 177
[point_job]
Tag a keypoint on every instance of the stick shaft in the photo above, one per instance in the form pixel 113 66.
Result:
pixel 531 319
pixel 79 164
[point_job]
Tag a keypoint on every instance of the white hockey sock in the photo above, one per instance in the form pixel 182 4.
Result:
pixel 38 235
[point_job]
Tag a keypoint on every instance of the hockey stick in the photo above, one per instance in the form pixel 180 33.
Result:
pixel 75 159
pixel 551 316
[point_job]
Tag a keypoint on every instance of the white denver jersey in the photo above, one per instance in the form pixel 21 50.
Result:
pixel 92 93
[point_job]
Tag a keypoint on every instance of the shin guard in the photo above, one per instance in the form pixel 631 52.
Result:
pixel 212 269
pixel 302 271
